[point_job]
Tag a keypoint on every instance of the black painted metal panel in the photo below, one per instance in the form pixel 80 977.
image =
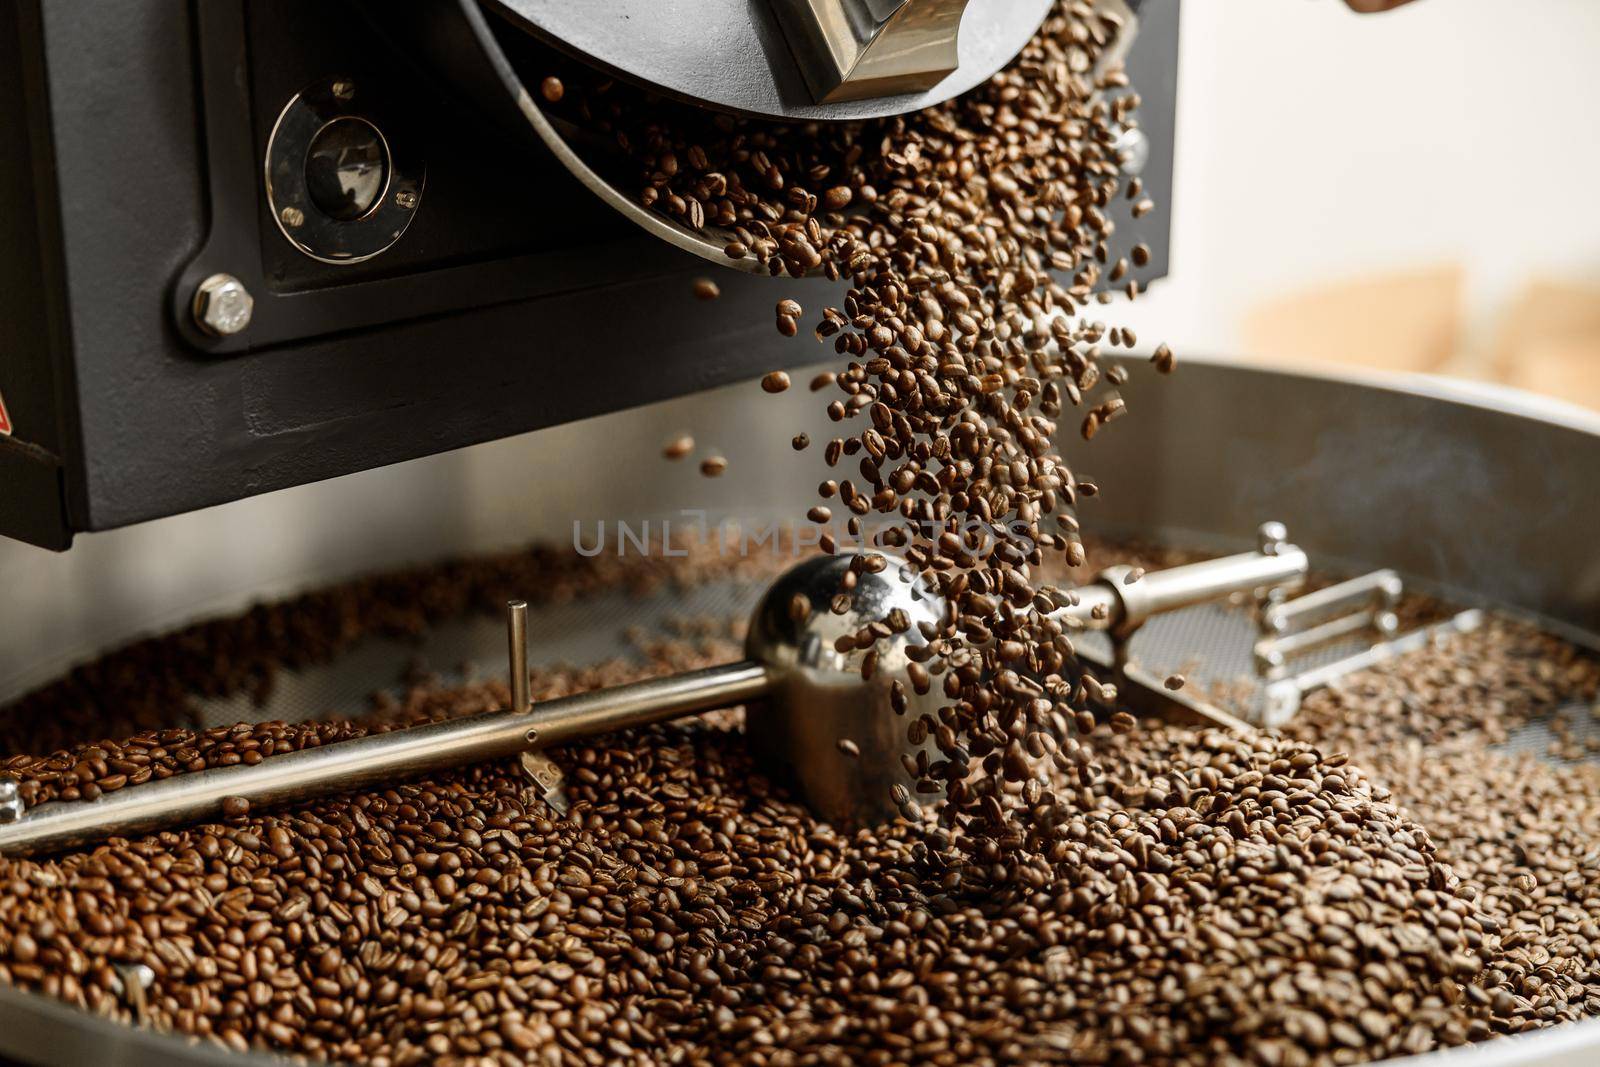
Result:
pixel 31 348
pixel 443 345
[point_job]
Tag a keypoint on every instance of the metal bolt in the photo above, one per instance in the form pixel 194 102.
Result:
pixel 222 305
pixel 135 980
pixel 406 198
pixel 517 648
pixel 11 806
pixel 292 217
pixel 1270 537
pixel 1133 149
pixel 133 976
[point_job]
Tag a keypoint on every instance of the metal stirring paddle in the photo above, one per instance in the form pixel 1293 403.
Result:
pixel 814 696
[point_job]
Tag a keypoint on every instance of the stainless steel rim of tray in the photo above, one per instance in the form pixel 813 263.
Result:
pixel 1443 482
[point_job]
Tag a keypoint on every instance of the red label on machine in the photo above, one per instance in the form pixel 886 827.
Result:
pixel 5 417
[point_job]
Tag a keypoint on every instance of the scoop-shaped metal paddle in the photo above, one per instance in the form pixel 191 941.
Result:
pixel 811 696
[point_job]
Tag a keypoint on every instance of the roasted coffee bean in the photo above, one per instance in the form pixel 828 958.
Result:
pixel 799 607
pixel 775 382
pixel 706 289
pixel 712 466
pixel 678 447
pixel 552 90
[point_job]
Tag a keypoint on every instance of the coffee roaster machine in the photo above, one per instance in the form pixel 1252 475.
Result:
pixel 249 247
pixel 254 245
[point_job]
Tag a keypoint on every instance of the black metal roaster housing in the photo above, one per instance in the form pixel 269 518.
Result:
pixel 160 185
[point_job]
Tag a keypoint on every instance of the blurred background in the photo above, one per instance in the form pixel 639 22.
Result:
pixel 1409 191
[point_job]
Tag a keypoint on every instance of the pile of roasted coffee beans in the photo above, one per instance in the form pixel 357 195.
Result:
pixel 1519 827
pixel 1180 898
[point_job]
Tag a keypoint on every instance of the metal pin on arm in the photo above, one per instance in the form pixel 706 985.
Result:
pixel 517 653
pixel 542 772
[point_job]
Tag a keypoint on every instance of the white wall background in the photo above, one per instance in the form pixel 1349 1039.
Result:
pixel 1315 144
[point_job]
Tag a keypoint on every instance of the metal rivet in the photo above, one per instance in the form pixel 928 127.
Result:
pixel 292 217
pixel 343 90
pixel 406 198
pixel 222 305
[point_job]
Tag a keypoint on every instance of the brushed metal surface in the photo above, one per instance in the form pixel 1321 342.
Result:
pixel 1488 493
pixel 821 696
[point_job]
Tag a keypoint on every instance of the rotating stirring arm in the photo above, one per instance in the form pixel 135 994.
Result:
pixel 379 759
